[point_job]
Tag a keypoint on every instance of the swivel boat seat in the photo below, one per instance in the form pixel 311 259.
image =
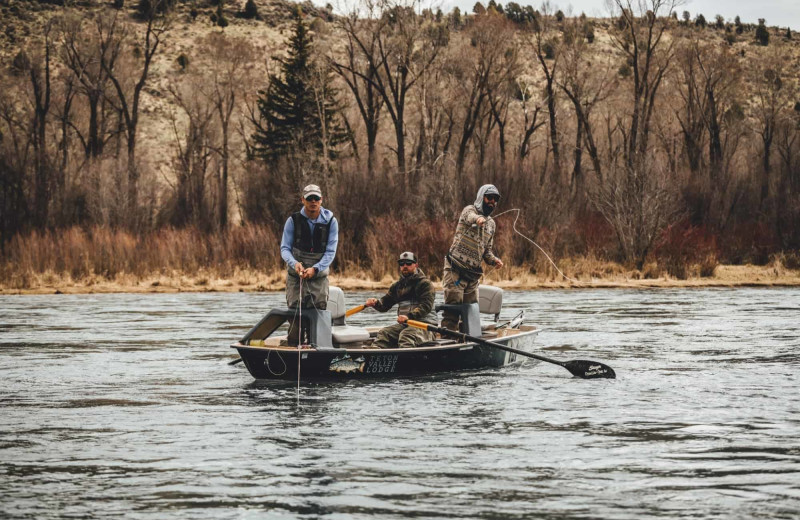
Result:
pixel 490 301
pixel 341 331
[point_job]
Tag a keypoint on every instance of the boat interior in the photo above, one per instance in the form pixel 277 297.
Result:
pixel 329 329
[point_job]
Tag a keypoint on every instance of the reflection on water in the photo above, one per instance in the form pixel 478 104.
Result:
pixel 124 406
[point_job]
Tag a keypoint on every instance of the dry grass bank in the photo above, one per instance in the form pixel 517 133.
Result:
pixel 246 259
pixel 248 280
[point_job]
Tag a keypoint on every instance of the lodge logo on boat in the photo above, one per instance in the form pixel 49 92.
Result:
pixel 381 364
pixel 347 364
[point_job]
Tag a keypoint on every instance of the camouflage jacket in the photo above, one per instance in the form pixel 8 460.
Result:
pixel 414 297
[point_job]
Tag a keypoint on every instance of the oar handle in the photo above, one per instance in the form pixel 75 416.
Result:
pixel 354 310
pixel 421 325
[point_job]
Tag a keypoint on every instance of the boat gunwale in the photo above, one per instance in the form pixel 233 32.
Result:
pixel 267 348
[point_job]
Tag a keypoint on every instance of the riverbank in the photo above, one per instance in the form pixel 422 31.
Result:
pixel 774 274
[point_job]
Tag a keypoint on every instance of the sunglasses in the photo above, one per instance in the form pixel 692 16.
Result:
pixel 493 197
pixel 406 262
pixel 313 198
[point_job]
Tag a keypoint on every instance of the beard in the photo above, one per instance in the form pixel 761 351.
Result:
pixel 487 209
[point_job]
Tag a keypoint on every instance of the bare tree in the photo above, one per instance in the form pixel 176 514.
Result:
pixel 531 121
pixel 360 76
pixel 787 143
pixel 15 149
pixel 480 67
pixel 691 113
pixel 545 48
pixel 227 74
pixel 499 101
pixel 638 204
pixel 711 84
pixel 768 78
pixel 64 115
pixel 586 83
pixel 195 151
pixel 40 81
pixel 80 53
pixel 115 36
pixel 405 46
pixel 641 26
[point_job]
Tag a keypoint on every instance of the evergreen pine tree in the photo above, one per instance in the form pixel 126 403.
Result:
pixel 296 103
pixel 250 10
pixel 762 34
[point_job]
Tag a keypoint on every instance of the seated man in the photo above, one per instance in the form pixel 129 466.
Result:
pixel 414 296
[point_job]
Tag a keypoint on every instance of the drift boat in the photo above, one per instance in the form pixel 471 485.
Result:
pixel 336 350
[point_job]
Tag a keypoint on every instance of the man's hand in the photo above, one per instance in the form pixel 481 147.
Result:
pixel 498 263
pixel 481 221
pixel 402 318
pixel 371 302
pixel 298 268
pixel 309 272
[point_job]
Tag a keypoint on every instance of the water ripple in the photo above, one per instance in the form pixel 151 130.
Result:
pixel 124 406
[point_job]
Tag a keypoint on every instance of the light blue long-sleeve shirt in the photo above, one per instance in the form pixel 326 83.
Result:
pixel 325 216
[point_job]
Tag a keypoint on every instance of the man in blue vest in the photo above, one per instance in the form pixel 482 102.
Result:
pixel 308 247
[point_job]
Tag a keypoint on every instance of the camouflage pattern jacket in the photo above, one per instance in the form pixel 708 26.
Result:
pixel 414 297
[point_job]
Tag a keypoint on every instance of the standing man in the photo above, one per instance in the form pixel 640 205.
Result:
pixel 472 243
pixel 308 247
pixel 414 296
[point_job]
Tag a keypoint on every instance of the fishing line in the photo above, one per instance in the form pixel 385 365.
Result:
pixel 299 337
pixel 514 227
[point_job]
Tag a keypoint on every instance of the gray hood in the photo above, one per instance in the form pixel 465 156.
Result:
pixel 486 188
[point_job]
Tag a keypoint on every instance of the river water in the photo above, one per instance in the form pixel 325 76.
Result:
pixel 124 406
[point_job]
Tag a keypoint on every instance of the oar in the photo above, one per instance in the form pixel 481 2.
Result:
pixel 348 313
pixel 354 310
pixel 578 367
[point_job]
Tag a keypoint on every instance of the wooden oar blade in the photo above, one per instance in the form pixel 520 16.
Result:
pixel 590 369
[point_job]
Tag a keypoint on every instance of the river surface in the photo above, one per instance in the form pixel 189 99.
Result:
pixel 117 406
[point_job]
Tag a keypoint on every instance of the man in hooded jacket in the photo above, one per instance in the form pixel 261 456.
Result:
pixel 472 244
pixel 414 296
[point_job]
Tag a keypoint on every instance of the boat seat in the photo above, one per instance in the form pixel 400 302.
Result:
pixel 490 301
pixel 341 331
pixel 349 334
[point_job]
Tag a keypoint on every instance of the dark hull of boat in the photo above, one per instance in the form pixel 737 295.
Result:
pixel 345 364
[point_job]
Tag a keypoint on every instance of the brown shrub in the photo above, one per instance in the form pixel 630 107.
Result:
pixel 708 266
pixel 387 237
pixel 651 271
pixel 791 260
pixel 107 253
pixel 682 246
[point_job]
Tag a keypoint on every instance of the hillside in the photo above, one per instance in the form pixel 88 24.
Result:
pixel 639 140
